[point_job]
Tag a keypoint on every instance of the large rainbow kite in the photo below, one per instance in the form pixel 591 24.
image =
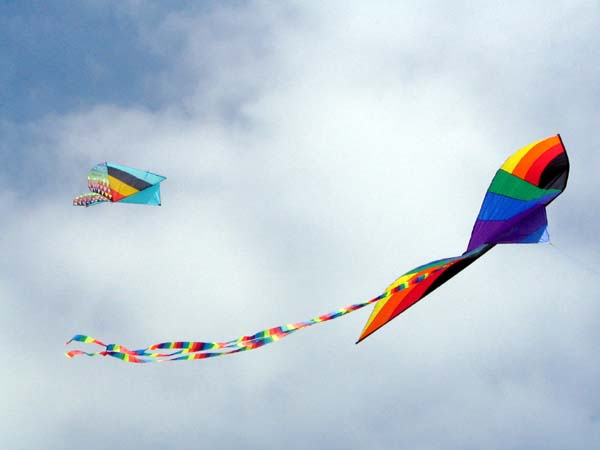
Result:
pixel 513 211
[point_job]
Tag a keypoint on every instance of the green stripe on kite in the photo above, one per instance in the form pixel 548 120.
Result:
pixel 512 186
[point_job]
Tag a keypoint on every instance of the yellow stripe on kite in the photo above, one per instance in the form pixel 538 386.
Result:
pixel 122 188
pixel 401 280
pixel 510 164
pixel 388 293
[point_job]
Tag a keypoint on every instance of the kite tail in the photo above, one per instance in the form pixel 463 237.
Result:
pixel 189 350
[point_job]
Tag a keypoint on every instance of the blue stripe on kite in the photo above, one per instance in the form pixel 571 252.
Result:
pixel 149 177
pixel 150 196
pixel 500 207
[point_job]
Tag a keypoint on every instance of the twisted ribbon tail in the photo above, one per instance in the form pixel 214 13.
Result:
pixel 85 339
pixel 192 350
pixel 206 355
pixel 127 357
pixel 117 349
pixel 74 353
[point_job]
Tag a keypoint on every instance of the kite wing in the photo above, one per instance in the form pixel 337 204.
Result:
pixel 111 182
pixel 513 211
pixel 416 284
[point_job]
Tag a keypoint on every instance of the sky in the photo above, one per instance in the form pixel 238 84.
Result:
pixel 314 151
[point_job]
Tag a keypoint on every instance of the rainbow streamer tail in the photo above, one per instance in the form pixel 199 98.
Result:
pixel 189 350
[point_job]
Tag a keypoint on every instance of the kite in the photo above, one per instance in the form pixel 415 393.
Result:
pixel 111 182
pixel 513 211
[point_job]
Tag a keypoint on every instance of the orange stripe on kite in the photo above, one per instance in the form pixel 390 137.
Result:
pixel 532 156
pixel 116 195
pixel 510 164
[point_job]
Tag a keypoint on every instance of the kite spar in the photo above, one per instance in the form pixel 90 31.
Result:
pixel 513 211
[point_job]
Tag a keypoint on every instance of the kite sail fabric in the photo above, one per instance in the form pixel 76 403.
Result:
pixel 109 182
pixel 514 207
pixel 513 211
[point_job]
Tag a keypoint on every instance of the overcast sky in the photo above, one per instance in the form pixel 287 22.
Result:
pixel 314 151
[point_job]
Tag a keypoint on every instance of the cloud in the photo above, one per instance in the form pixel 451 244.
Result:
pixel 313 154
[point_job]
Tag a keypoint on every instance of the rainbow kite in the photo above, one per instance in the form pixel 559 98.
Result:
pixel 114 183
pixel 513 211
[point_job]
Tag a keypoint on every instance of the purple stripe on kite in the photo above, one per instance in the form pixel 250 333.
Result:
pixel 500 207
pixel 508 231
